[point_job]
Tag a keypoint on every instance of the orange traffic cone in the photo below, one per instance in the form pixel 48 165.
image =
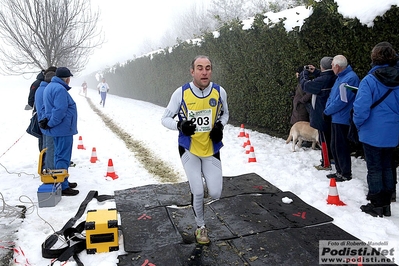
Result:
pixel 80 144
pixel 248 147
pixel 333 197
pixel 252 158
pixel 246 142
pixel 93 157
pixel 110 170
pixel 242 132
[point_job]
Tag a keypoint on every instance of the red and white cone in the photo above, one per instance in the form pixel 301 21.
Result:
pixel 333 197
pixel 242 131
pixel 252 158
pixel 80 144
pixel 248 148
pixel 93 158
pixel 110 170
pixel 246 142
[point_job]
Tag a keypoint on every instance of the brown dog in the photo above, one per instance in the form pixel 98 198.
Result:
pixel 301 131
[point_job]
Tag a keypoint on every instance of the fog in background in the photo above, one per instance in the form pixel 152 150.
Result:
pixel 139 28
pixel 133 29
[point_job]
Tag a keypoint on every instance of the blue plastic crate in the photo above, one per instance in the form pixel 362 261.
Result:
pixel 49 195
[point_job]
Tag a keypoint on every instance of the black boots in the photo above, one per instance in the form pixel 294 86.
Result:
pixel 372 210
pixel 386 210
pixel 380 205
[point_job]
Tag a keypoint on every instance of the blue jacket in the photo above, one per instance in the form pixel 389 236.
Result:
pixel 60 109
pixel 39 100
pixel 336 105
pixel 320 87
pixel 378 127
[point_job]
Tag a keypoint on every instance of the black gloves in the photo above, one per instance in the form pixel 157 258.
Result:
pixel 43 123
pixel 187 127
pixel 216 134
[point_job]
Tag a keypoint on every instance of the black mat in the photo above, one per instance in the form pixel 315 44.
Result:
pixel 173 194
pixel 249 225
pixel 293 246
pixel 136 199
pixel 184 222
pixel 243 216
pixel 147 230
pixel 220 253
pixel 246 184
pixel 295 214
pixel 151 196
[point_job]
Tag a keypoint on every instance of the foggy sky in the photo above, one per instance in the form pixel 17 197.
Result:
pixel 130 26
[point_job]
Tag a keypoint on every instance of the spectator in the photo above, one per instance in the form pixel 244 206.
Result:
pixel 32 90
pixel 200 126
pixel 31 100
pixel 320 88
pixel 339 106
pixel 299 103
pixel 376 116
pixel 103 89
pixel 60 121
pixel 47 140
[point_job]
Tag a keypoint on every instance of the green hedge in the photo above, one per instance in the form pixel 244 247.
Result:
pixel 256 66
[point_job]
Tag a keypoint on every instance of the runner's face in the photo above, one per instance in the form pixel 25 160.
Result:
pixel 202 73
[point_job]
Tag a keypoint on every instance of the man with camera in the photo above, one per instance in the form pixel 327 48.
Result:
pixel 320 87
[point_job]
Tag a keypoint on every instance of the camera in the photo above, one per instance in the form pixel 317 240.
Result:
pixel 306 67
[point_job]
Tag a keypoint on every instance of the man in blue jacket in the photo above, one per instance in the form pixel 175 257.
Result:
pixel 339 106
pixel 378 127
pixel 60 121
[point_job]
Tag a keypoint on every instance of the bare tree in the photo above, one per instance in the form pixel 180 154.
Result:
pixel 189 24
pixel 228 10
pixel 42 33
pixel 194 22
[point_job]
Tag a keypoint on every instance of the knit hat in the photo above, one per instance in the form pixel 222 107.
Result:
pixel 325 62
pixel 63 72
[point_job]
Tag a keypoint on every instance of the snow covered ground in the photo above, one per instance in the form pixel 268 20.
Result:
pixel 276 163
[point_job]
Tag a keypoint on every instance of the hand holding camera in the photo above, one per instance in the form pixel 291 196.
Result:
pixel 309 68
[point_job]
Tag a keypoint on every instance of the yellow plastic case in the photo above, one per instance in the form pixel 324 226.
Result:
pixel 50 176
pixel 101 231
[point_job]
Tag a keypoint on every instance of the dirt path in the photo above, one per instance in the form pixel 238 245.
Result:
pixel 154 165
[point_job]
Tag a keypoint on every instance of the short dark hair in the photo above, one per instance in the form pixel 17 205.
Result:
pixel 197 57
pixel 383 54
pixel 50 69
pixel 49 75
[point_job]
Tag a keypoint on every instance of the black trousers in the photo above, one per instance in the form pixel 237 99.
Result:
pixel 340 149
